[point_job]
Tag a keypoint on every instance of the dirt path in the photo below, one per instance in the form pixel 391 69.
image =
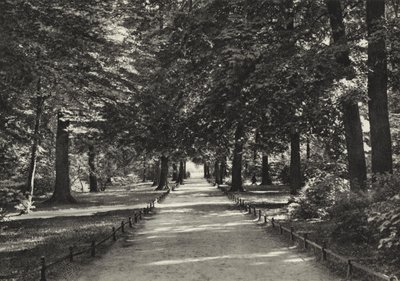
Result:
pixel 198 235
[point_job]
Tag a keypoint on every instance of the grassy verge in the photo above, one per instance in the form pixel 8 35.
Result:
pixel 24 241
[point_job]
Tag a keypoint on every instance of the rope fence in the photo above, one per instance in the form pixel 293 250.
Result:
pixel 91 249
pixel 302 238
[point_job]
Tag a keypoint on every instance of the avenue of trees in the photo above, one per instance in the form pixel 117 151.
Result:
pixel 111 88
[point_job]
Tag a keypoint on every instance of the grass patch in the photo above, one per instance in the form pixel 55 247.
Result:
pixel 24 241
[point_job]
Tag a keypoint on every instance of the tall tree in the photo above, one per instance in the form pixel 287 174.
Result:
pixel 62 189
pixel 351 116
pixel 381 144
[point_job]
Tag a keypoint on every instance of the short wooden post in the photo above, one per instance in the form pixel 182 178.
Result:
pixel 323 251
pixel 130 222
pixel 114 234
pixel 254 211
pixel 249 209
pixel 71 253
pixel 43 269
pixel 280 229
pixel 259 215
pixel 291 233
pixel 122 226
pixel 349 269
pixel 305 241
pixel 140 214
pixel 93 249
pixel 265 219
pixel 273 222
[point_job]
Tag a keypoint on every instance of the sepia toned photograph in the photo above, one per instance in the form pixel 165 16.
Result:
pixel 199 140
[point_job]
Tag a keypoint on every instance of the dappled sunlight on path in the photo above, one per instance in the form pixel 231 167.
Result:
pixel 198 235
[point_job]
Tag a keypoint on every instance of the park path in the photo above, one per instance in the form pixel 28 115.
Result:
pixel 198 235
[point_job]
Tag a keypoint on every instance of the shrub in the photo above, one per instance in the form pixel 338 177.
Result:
pixel 349 213
pixel 318 196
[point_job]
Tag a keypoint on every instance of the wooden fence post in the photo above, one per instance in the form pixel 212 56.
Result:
pixel 130 222
pixel 323 251
pixel 291 233
pixel 136 217
pixel 273 222
pixel 265 219
pixel 122 226
pixel 71 253
pixel 280 229
pixel 93 249
pixel 249 209
pixel 305 240
pixel 349 269
pixel 114 235
pixel 43 269
pixel 259 215
pixel 254 211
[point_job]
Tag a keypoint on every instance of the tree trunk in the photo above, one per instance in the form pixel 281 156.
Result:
pixel 217 172
pixel 184 170
pixel 190 2
pixel 181 172
pixel 295 165
pixel 62 189
pixel 355 146
pixel 175 175
pixel 265 176
pixel 156 173
pixel 93 187
pixel 205 170
pixel 381 144
pixel 351 116
pixel 208 170
pixel 237 184
pixel 308 149
pixel 36 138
pixel 144 169
pixel 163 182
pixel 222 172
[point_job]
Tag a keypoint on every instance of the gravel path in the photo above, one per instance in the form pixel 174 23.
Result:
pixel 198 235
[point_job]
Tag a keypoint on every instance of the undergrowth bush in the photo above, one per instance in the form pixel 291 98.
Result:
pixel 384 213
pixel 349 212
pixel 318 196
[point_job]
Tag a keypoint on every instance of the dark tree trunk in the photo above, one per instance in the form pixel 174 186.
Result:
pixel 163 182
pixel 265 176
pixel 308 149
pixel 62 189
pixel 184 170
pixel 295 165
pixel 175 176
pixel 355 146
pixel 351 116
pixel 208 170
pixel 93 187
pixel 190 2
pixel 205 170
pixel 222 172
pixel 156 173
pixel 181 172
pixel 217 172
pixel 237 184
pixel 381 144
pixel 144 169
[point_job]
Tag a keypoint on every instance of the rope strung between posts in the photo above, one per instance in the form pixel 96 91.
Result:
pixel 350 263
pixel 45 266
